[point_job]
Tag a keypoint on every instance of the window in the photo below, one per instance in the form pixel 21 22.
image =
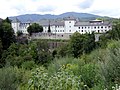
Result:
pixel 62 35
pixel 94 27
pixel 98 27
pixel 69 30
pixel 85 27
pixel 70 26
pixel 78 27
pixel 82 27
pixel 101 26
pixel 63 30
pixel 81 30
pixel 69 21
pixel 88 27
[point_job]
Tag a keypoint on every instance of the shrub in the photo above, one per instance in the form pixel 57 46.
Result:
pixel 62 80
pixel 28 65
pixel 8 79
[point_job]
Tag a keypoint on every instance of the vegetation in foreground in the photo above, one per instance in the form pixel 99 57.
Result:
pixel 81 64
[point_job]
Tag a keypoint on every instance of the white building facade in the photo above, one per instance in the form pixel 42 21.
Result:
pixel 67 26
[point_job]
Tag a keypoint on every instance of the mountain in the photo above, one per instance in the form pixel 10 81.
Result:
pixel 37 17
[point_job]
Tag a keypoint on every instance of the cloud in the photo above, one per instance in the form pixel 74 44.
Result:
pixel 86 4
pixel 99 7
pixel 46 9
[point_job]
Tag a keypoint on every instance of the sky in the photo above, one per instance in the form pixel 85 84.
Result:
pixel 109 8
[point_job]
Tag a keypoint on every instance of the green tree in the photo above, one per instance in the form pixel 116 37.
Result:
pixel 6 34
pixel 81 43
pixel 7 20
pixel 1 48
pixel 49 30
pixel 34 28
pixel 43 52
pixel 19 33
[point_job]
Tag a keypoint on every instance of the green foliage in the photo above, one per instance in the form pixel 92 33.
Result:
pixel 7 20
pixel 113 34
pixel 90 75
pixel 81 43
pixel 6 34
pixel 28 65
pixel 19 33
pixel 61 80
pixel 1 48
pixel 34 28
pixel 37 51
pixel 16 55
pixel 63 51
pixel 111 65
pixel 89 71
pixel 56 64
pixel 9 79
pixel 43 52
pixel 108 60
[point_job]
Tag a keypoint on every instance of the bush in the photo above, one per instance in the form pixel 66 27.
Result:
pixel 61 80
pixel 8 79
pixel 90 75
pixel 28 65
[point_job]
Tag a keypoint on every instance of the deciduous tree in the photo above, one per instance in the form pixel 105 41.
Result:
pixel 34 28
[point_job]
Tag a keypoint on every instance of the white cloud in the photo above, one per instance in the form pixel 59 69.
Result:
pixel 99 7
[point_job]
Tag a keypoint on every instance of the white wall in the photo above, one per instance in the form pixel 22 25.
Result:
pixel 69 26
pixel 16 27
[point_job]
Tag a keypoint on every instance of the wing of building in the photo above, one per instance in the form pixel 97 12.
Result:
pixel 66 26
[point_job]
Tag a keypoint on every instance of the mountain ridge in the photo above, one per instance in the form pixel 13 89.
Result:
pixel 37 17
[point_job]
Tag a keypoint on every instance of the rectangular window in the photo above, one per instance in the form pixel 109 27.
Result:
pixel 98 31
pixel 78 27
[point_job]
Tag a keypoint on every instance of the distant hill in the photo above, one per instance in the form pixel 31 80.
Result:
pixel 37 17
